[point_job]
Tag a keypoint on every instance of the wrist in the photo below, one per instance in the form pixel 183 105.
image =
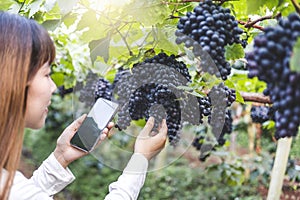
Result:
pixel 60 158
pixel 145 155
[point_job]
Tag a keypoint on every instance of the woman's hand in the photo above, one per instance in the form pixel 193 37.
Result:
pixel 149 143
pixel 64 152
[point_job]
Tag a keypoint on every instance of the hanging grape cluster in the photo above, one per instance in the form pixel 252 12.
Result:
pixel 261 114
pixel 150 89
pixel 221 98
pixel 270 62
pixel 208 29
pixel 103 89
pixel 216 107
pixel 93 89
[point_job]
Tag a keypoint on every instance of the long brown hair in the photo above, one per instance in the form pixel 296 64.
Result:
pixel 24 47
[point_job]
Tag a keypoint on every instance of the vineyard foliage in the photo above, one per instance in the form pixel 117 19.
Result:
pixel 105 36
pixel 102 35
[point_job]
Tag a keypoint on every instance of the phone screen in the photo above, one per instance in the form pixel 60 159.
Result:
pixel 97 119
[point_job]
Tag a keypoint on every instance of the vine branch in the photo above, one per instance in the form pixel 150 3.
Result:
pixel 253 26
pixel 250 24
pixel 255 97
pixel 125 41
pixel 252 97
pixel 262 19
pixel 296 5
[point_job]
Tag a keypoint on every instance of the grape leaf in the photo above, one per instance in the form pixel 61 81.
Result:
pixel 5 4
pixel 35 7
pixel 234 52
pixel 99 48
pixel 166 39
pixel 48 5
pixel 69 19
pixel 100 66
pixel 58 78
pixel 238 97
pixel 96 29
pixel 51 24
pixel 66 5
pixel 253 7
pixel 285 7
pixel 295 59
pixel 147 12
pixel 88 19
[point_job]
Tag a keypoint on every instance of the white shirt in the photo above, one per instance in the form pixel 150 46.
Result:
pixel 50 178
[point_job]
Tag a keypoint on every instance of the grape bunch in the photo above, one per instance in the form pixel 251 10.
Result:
pixel 150 89
pixel 103 89
pixel 261 114
pixel 270 62
pixel 208 29
pixel 216 107
pixel 220 118
pixel 170 61
pixel 93 89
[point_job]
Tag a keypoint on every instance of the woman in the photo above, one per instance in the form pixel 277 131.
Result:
pixel 26 52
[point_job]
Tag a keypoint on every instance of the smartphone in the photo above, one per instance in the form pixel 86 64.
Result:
pixel 91 128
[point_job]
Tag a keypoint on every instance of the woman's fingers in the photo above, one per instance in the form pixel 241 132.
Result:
pixel 148 128
pixel 77 123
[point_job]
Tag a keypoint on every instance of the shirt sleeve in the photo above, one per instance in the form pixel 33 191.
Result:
pixel 131 181
pixel 49 179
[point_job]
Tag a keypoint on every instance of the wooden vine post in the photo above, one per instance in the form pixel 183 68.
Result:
pixel 279 168
pixel 281 157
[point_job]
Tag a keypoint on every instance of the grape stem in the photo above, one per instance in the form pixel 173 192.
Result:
pixel 253 23
pixel 125 41
pixel 253 26
pixel 296 5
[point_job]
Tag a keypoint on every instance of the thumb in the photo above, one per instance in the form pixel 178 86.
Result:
pixel 77 123
pixel 147 129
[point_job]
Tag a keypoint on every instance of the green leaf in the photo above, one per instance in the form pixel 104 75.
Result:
pixel 88 19
pixel 295 59
pixel 269 125
pixel 58 78
pixel 53 14
pixel 166 39
pixel 66 5
pixel 147 12
pixel 100 48
pixel 237 8
pixel 229 84
pixel 69 19
pixel 5 4
pixel 183 87
pixel 254 7
pixel 239 97
pixel 285 7
pixel 51 24
pixel 35 7
pixel 234 52
pixel 95 29
pixel 100 67
pixel 49 4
